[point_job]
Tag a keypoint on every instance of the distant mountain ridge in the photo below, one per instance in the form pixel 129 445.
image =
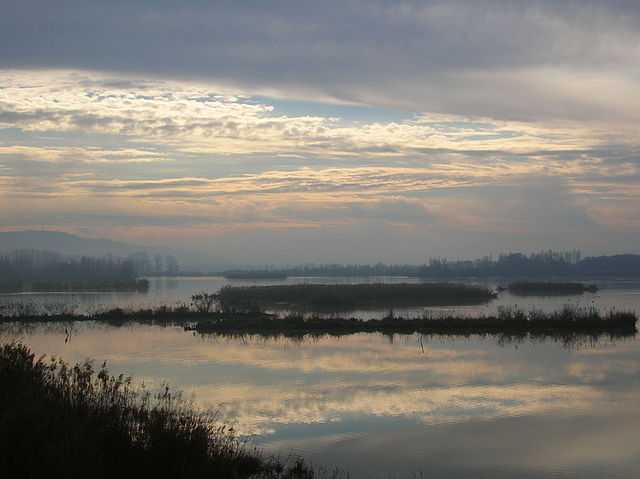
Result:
pixel 64 243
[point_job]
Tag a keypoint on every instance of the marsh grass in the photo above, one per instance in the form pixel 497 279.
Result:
pixel 549 288
pixel 58 420
pixel 567 322
pixel 509 321
pixel 346 297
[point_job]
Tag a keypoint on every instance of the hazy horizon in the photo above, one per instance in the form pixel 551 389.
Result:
pixel 340 132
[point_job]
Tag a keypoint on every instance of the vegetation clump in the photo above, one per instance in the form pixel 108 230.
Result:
pixel 58 420
pixel 530 288
pixel 347 297
pixel 254 274
pixel 567 322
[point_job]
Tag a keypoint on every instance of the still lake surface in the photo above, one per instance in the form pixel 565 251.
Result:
pixel 382 406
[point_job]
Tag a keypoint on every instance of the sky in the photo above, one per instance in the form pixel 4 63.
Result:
pixel 288 132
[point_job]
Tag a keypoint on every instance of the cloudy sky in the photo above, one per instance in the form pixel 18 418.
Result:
pixel 334 131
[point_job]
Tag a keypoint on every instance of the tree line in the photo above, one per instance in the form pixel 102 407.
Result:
pixel 540 264
pixel 38 270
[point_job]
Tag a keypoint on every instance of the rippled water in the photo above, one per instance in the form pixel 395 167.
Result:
pixel 380 406
pixel 390 406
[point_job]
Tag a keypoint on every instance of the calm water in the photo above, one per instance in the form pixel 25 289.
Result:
pixel 393 407
pixel 396 408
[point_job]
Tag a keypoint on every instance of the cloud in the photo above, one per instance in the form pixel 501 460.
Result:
pixel 18 154
pixel 194 119
pixel 489 145
pixel 573 59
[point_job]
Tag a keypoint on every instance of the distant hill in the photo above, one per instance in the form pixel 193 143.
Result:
pixel 64 243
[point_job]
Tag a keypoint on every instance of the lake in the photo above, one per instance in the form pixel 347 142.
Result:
pixel 391 406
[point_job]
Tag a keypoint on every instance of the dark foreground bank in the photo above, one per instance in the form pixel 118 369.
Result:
pixel 58 420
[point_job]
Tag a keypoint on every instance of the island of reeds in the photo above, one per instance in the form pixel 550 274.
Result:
pixel 61 420
pixel 260 274
pixel 550 288
pixel 508 321
pixel 347 297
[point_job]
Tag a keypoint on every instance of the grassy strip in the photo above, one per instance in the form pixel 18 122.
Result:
pixel 345 297
pixel 587 321
pixel 58 420
pixel 526 288
pixel 254 274
pixel 507 322
pixel 19 312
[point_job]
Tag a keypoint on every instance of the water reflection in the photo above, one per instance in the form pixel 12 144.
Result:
pixel 465 407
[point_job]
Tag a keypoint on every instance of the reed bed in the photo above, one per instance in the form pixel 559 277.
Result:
pixel 550 288
pixel 58 420
pixel 346 297
pixel 509 321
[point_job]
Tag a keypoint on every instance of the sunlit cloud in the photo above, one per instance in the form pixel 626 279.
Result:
pixel 191 118
pixel 135 156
